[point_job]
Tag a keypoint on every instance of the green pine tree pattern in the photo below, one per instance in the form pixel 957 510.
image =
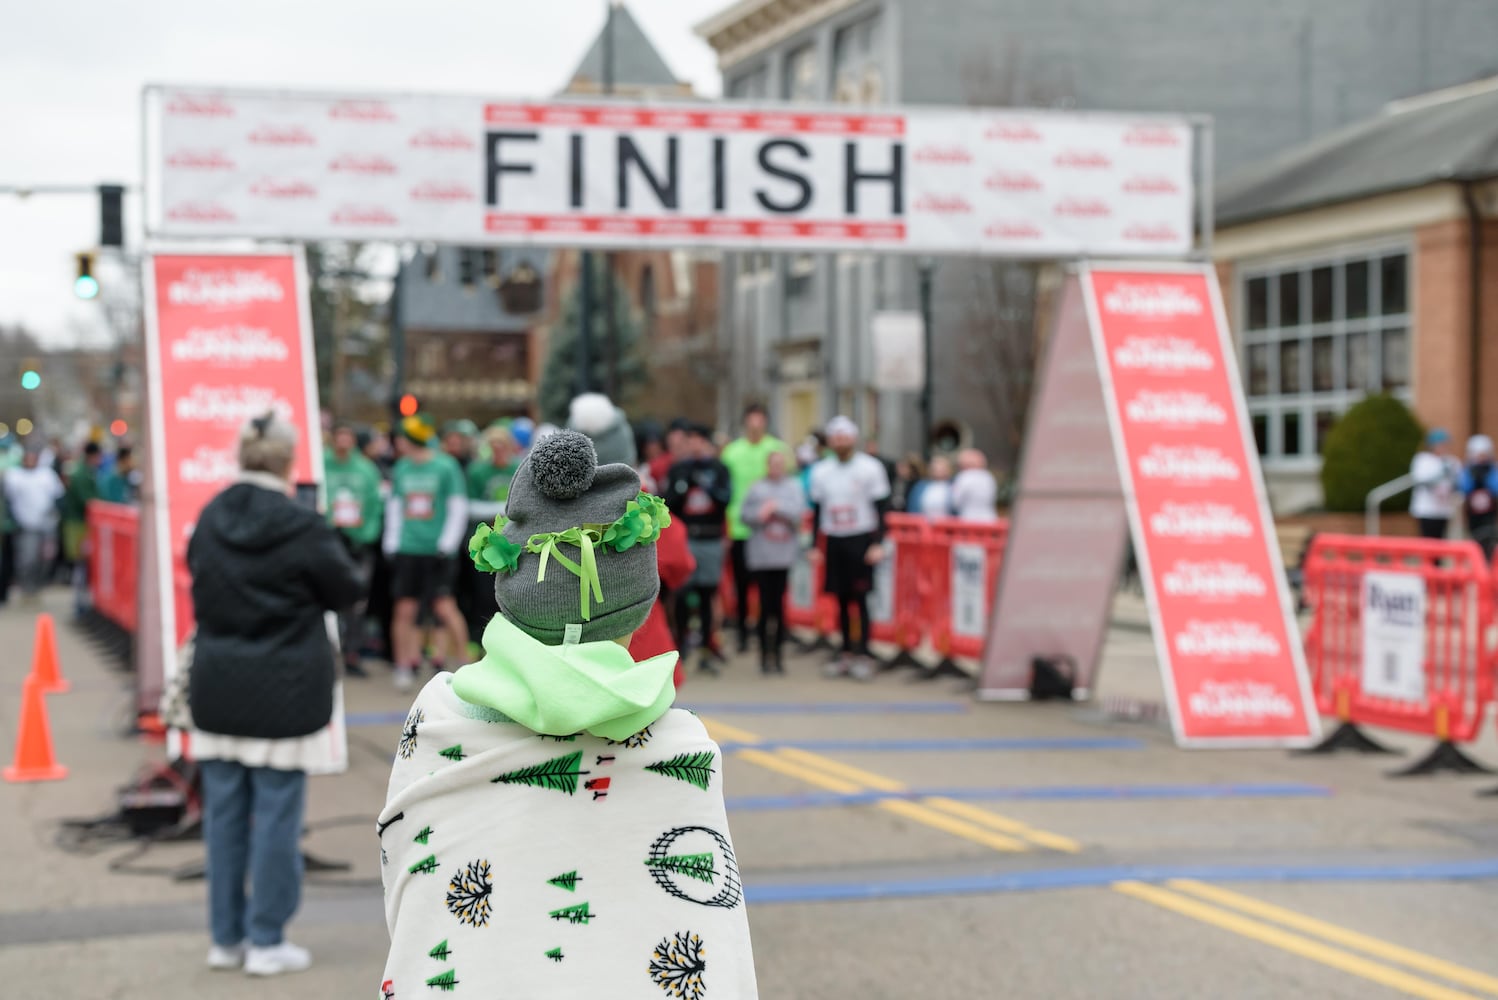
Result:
pixel 579 914
pixel 453 753
pixel 562 739
pixel 693 768
pixel 424 836
pixel 441 953
pixel 567 880
pixel 447 982
pixel 425 866
pixel 559 774
pixel 697 866
pixel 555 955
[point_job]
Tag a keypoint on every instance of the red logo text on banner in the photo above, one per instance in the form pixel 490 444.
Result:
pixel 1231 655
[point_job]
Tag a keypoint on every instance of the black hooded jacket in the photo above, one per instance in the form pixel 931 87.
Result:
pixel 264 570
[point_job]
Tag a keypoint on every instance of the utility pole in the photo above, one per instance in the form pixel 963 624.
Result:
pixel 611 317
pixel 924 269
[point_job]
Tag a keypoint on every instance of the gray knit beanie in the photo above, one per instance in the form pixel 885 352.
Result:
pixel 559 487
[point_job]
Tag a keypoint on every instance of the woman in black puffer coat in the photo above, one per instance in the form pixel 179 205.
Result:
pixel 265 569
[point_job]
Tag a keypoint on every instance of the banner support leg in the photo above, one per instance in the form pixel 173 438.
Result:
pixel 1347 737
pixel 1445 757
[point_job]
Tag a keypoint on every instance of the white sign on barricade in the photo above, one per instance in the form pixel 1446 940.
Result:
pixel 800 583
pixel 468 170
pixel 1394 636
pixel 969 591
pixel 882 597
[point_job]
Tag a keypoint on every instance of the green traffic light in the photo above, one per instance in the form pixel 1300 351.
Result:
pixel 30 380
pixel 86 286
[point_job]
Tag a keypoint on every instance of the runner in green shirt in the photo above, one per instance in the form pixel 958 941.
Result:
pixel 748 461
pixel 425 524
pixel 354 505
pixel 489 480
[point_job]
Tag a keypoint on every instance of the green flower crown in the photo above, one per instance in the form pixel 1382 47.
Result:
pixel 644 519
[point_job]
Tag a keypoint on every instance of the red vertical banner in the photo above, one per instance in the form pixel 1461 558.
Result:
pixel 227 339
pixel 1228 646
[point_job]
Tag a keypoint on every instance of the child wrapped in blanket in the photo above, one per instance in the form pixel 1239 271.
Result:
pixel 553 827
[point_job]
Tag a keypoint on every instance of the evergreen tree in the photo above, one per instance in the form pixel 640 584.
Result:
pixel 559 774
pixel 559 377
pixel 445 983
pixel 424 836
pixel 453 753
pixel 579 914
pixel 441 953
pixel 425 866
pixel 697 866
pixel 555 954
pixel 693 768
pixel 566 881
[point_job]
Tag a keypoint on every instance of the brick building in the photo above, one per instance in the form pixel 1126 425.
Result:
pixel 1367 261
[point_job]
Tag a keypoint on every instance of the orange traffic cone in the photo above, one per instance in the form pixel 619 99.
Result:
pixel 34 758
pixel 45 666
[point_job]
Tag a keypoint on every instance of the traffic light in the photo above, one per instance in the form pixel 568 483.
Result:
pixel 409 405
pixel 85 285
pixel 111 215
pixel 467 269
pixel 31 379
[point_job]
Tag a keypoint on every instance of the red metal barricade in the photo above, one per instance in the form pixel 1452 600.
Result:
pixel 962 574
pixel 898 607
pixel 114 566
pixel 1458 666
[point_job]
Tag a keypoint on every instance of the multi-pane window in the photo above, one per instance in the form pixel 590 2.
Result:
pixel 857 77
pixel 801 78
pixel 1317 337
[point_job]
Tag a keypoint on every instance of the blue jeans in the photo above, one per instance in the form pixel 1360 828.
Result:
pixel 252 826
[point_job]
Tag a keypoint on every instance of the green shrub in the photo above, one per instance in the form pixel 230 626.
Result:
pixel 1371 444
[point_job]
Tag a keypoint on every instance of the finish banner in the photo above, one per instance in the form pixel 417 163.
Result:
pixel 473 171
pixel 1225 637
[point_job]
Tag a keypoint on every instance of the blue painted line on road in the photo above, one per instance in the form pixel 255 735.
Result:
pixel 1082 878
pixel 938 746
pixel 1050 793
pixel 357 719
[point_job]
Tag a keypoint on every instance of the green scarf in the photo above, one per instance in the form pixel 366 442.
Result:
pixel 591 687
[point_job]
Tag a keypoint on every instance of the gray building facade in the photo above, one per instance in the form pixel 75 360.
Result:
pixel 1270 75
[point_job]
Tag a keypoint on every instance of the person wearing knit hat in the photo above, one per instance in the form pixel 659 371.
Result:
pixel 595 415
pixel 425 519
pixel 553 827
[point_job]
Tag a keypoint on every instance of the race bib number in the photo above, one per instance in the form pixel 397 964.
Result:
pixel 698 502
pixel 420 506
pixel 843 516
pixel 1481 501
pixel 778 531
pixel 347 512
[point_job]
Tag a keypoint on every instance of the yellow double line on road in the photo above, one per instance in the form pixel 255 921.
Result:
pixel 1381 962
pixel 980 826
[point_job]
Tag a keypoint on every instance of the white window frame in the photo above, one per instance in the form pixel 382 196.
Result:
pixel 1308 403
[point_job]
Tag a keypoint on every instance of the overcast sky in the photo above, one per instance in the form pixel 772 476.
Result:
pixel 71 75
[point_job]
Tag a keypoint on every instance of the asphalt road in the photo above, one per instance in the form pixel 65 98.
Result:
pixel 896 840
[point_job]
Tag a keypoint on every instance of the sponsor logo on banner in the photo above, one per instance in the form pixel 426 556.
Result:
pixel 1393 616
pixel 209 465
pixel 1013 181
pixel 235 345
pixel 1158 233
pixel 1083 159
pixel 289 190
pixel 940 204
pixel 223 288
pixel 450 139
pixel 1084 208
pixel 942 154
pixel 1193 464
pixel 231 405
pixel 200 212
pixel 1170 355
pixel 354 163
pixel 282 135
pixel 443 191
pixel 1200 522
pixel 969 591
pixel 1151 185
pixel 1153 301
pixel 188 106
pixel 882 597
pixel 205 159
pixel 365 215
pixel 1017 132
pixel 1226 640
pixel 1014 231
pixel 1242 701
pixel 1175 408
pixel 362 111
pixel 1213 580
pixel 1153 135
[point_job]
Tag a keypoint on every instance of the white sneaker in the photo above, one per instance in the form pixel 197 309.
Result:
pixel 405 678
pixel 838 667
pixel 862 669
pixel 225 959
pixel 277 960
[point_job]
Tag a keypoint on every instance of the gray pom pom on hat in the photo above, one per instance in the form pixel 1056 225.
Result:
pixel 564 465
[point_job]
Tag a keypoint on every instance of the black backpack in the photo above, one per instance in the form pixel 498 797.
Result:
pixel 1480 504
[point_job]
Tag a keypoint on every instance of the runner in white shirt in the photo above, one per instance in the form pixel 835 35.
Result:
pixel 32 490
pixel 975 492
pixel 850 494
pixel 1435 472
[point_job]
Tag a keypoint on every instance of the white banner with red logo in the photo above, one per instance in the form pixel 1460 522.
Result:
pixel 1227 642
pixel 469 170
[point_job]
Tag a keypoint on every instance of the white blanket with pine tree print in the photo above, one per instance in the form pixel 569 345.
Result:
pixel 553 868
